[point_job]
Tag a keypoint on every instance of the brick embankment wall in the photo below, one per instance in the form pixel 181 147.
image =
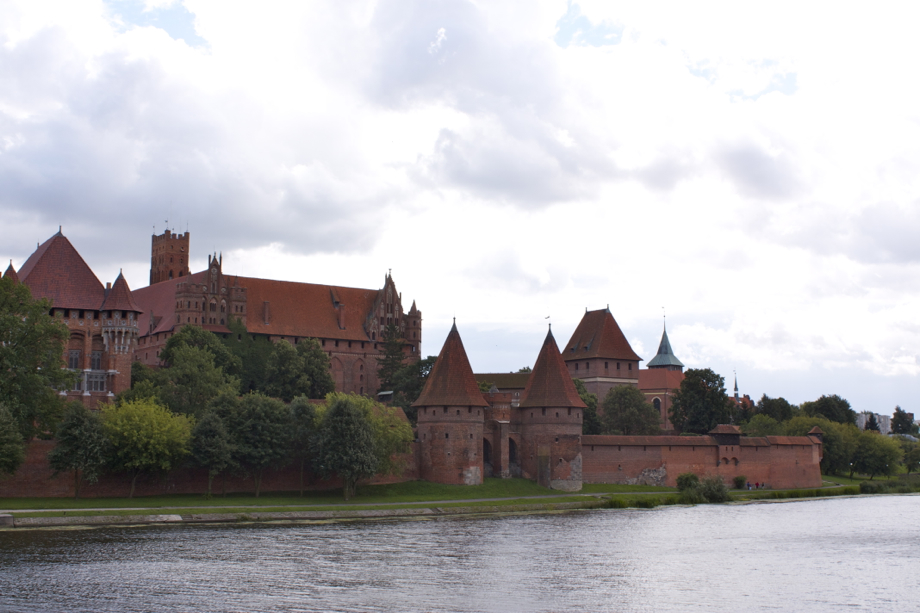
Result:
pixel 35 479
pixel 789 463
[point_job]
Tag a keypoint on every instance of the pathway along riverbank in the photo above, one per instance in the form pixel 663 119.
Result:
pixel 431 510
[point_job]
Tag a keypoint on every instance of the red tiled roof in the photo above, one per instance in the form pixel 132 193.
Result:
pixel 57 272
pixel 659 379
pixel 550 384
pixel 451 382
pixel 505 380
pixel 306 309
pixel 725 429
pixel 599 336
pixel 119 297
pixel 11 273
pixel 159 300
pixel 816 430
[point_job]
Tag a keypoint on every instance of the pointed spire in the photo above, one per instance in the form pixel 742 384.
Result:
pixel 11 273
pixel 451 382
pixel 665 356
pixel 119 298
pixel 550 384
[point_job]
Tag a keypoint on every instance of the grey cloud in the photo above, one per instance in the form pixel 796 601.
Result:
pixel 756 173
pixel 112 153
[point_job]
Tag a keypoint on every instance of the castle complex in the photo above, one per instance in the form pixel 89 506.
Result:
pixel 527 425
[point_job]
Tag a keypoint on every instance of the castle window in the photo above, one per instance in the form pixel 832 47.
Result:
pixel 458 411
pixel 360 377
pixel 374 338
pixel 576 365
pixel 657 404
pixel 361 390
pixel 447 435
pixel 557 414
pixel 543 411
pixel 96 360
pixel 73 360
pixel 337 343
pixel 587 365
pixel 471 435
pixel 349 344
pixel 445 410
pixel 605 365
pixel 629 366
pixel 361 367
pixel 618 366
pixel 469 410
pixel 570 412
pixel 213 307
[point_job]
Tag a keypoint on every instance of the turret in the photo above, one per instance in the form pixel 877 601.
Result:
pixel 11 274
pixel 169 253
pixel 550 419
pixel 119 331
pixel 450 419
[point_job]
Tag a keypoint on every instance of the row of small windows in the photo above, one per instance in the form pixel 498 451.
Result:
pixel 75 360
pixel 606 366
pixel 84 314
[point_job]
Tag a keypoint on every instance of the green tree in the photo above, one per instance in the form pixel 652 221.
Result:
pixel 872 422
pixel 145 437
pixel 252 350
pixel 778 409
pixel 303 433
pixel 31 360
pixel 626 411
pixel 284 373
pixel 876 454
pixel 832 407
pixel 840 441
pixel 261 433
pixel 82 446
pixel 317 367
pixel 485 386
pixel 701 403
pixel 192 380
pixel 141 373
pixel 12 448
pixel 408 383
pixel 196 336
pixel 901 422
pixel 591 424
pixel 391 360
pixel 211 447
pixel 346 445
pixel 911 451
pixel 762 425
pixel 525 369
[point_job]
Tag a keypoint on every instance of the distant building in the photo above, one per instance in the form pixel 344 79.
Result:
pixel 661 379
pixel 884 421
pixel 599 354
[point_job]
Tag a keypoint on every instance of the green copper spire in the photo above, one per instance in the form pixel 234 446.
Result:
pixel 665 357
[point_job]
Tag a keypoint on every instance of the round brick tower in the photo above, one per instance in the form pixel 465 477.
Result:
pixel 450 419
pixel 550 419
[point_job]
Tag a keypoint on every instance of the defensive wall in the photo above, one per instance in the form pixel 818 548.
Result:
pixel 779 461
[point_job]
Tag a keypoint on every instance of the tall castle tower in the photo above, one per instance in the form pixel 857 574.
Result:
pixel 549 419
pixel 450 419
pixel 169 255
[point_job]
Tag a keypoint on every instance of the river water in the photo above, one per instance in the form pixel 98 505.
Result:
pixel 859 554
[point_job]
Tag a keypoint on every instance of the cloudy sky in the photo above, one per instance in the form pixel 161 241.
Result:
pixel 754 171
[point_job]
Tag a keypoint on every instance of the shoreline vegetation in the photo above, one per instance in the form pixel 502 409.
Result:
pixel 411 500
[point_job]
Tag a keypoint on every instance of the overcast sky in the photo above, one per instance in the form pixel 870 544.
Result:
pixel 755 171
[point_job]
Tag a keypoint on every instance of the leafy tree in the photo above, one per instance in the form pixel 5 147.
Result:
pixel 196 336
pixel 876 454
pixel 686 481
pixel 284 373
pixel 626 411
pixel 145 437
pixel 762 425
pixel 211 447
pixel 778 409
pixel 741 411
pixel 840 442
pixel 12 449
pixel 82 446
pixel 525 369
pixel 391 360
pixel 252 350
pixel 141 373
pixel 408 383
pixel 701 403
pixel 911 451
pixel 591 424
pixel 317 367
pixel 832 407
pixel 31 360
pixel 192 380
pixel 261 433
pixel 346 444
pixel 303 432
pixel 901 422
pixel 485 386
pixel 872 423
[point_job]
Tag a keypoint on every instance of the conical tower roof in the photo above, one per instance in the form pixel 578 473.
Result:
pixel 550 384
pixel 57 272
pixel 119 297
pixel 451 382
pixel 599 336
pixel 665 356
pixel 11 273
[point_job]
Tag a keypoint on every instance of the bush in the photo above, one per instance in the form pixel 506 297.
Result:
pixel 739 482
pixel 691 495
pixel 714 490
pixel 686 481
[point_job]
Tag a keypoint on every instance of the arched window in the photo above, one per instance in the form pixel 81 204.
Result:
pixel 657 404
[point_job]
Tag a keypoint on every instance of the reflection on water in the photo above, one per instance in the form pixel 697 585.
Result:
pixel 818 555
